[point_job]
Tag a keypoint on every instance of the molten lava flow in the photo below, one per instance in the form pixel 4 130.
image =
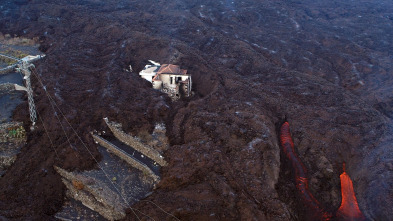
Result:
pixel 349 209
pixel 300 173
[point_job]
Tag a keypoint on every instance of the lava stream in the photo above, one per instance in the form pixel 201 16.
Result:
pixel 300 173
pixel 349 209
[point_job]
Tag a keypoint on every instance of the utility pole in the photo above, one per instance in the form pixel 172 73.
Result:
pixel 23 67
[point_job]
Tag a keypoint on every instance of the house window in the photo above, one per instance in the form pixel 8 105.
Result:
pixel 171 80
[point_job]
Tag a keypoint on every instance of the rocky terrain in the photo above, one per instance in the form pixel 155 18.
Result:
pixel 326 66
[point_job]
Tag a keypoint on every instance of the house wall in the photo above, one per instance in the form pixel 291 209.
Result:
pixel 147 76
pixel 183 78
pixel 166 79
pixel 157 85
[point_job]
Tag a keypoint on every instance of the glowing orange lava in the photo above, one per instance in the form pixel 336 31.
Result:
pixel 300 174
pixel 349 209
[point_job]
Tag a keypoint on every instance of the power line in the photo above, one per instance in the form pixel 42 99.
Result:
pixel 58 119
pixel 106 175
pixel 51 100
pixel 24 66
pixel 46 131
pixel 149 201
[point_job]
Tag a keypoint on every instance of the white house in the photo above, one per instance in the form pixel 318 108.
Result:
pixel 168 78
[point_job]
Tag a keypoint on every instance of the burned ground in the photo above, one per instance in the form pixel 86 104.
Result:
pixel 325 65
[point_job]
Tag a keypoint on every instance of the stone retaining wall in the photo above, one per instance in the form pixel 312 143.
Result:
pixel 126 157
pixel 93 195
pixel 135 143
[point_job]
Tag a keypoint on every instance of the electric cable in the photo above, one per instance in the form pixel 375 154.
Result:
pixel 51 100
pixel 47 133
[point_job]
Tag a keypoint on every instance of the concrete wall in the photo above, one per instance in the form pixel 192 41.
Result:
pixel 126 157
pixel 136 144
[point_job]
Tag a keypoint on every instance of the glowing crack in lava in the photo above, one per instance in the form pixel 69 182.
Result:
pixel 300 174
pixel 349 209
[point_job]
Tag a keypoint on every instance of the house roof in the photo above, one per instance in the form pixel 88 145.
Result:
pixel 171 69
pixel 151 69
